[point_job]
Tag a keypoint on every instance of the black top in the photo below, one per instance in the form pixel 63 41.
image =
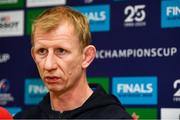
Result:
pixel 99 105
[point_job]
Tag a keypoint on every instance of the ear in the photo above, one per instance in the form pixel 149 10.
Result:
pixel 89 53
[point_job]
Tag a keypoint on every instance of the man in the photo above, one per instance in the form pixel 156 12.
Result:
pixel 62 52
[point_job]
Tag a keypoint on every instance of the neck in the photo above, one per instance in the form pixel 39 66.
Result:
pixel 71 99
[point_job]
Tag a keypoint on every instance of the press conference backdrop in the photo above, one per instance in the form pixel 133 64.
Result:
pixel 137 58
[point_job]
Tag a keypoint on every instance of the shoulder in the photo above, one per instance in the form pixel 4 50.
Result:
pixel 115 111
pixel 110 111
pixel 28 113
pixel 41 110
pixel 105 105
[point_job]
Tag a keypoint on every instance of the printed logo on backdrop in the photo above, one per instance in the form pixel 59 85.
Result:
pixel 84 1
pixel 136 53
pixel 170 113
pixel 98 16
pixel 102 81
pixel 176 95
pixel 34 91
pixel 8 1
pixel 38 3
pixel 170 14
pixel 9 4
pixel 4 57
pixel 5 96
pixel 88 1
pixel 142 113
pixel 10 24
pixel 135 16
pixel 13 110
pixel 135 90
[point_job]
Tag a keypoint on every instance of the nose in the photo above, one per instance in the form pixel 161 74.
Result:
pixel 50 62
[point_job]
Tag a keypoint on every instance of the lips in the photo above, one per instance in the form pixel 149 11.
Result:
pixel 51 79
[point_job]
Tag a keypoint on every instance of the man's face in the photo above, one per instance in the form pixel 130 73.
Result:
pixel 58 57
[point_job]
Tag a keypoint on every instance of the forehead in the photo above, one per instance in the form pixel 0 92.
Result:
pixel 63 36
pixel 63 32
pixel 63 28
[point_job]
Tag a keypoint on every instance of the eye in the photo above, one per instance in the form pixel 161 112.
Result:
pixel 42 51
pixel 60 51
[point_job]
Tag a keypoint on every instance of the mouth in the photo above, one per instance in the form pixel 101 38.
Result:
pixel 51 79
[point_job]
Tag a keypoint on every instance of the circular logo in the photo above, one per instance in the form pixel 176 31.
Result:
pixel 4 86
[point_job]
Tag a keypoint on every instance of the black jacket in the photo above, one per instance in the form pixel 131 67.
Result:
pixel 99 105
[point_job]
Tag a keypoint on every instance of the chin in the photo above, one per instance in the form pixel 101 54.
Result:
pixel 55 89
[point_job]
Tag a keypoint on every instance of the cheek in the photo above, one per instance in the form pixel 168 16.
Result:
pixel 39 64
pixel 74 67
